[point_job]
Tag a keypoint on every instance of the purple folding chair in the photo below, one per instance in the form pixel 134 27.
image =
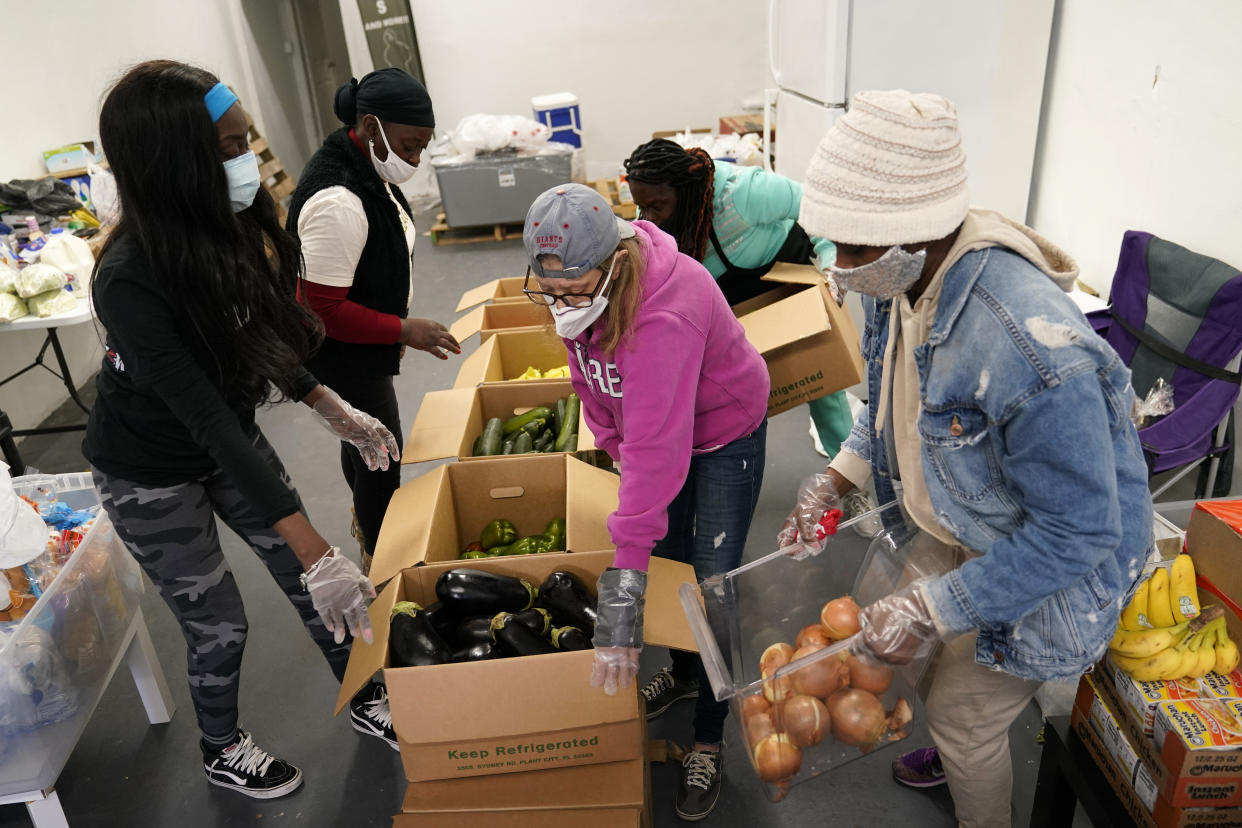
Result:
pixel 1177 315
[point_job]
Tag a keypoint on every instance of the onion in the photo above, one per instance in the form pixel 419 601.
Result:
pixel 812 634
pixel 777 758
pixel 839 617
pixel 755 704
pixel 867 677
pixel 857 717
pixel 820 678
pixel 774 658
pixel 899 719
pixel 759 727
pixel 804 718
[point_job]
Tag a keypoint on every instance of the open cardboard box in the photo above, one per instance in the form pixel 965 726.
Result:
pixel 434 517
pixel 513 714
pixel 448 422
pixel 506 355
pixel 486 320
pixel 497 291
pixel 810 344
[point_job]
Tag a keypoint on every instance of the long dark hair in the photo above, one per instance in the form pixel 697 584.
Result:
pixel 691 174
pixel 231 276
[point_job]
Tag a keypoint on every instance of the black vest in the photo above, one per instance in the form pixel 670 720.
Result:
pixel 382 277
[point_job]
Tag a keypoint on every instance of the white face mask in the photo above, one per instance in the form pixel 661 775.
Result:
pixel 887 276
pixel 392 169
pixel 571 322
pixel 243 175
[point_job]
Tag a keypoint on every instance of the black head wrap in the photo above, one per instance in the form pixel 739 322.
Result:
pixel 392 95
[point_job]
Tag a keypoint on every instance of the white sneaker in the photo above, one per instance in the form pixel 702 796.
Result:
pixel 859 502
pixel 369 713
pixel 248 769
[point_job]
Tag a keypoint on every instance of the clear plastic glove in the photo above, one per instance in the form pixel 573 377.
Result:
pixel 339 591
pixel 372 439
pixel 897 628
pixel 619 628
pixel 813 521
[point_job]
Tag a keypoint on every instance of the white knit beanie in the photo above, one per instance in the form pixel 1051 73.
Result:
pixel 890 171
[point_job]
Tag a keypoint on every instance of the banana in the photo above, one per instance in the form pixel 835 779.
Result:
pixel 1134 616
pixel 1165 664
pixel 1145 643
pixel 1203 645
pixel 1227 655
pixel 1183 594
pixel 1159 611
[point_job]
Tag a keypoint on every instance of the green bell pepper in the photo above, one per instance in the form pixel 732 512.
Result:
pixel 499 532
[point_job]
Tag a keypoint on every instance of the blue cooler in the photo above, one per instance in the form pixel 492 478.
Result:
pixel 559 112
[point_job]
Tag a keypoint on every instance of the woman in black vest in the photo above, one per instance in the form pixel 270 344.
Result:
pixel 357 234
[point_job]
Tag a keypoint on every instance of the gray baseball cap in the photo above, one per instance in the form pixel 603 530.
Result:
pixel 574 223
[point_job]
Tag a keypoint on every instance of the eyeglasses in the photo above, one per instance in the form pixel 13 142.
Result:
pixel 572 300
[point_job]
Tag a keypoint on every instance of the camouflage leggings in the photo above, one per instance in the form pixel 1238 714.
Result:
pixel 171 532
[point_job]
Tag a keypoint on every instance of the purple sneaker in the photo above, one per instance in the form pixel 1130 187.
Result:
pixel 919 768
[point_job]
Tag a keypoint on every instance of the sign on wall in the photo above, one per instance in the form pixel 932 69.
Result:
pixel 389 27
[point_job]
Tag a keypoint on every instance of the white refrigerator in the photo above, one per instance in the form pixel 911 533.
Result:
pixel 987 56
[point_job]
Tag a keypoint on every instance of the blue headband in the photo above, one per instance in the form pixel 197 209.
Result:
pixel 218 99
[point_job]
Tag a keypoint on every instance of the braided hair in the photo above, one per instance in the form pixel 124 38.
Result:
pixel 691 174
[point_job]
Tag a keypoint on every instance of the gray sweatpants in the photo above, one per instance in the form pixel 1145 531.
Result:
pixel 171 532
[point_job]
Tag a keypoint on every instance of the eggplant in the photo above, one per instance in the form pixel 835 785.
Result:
pixel 473 630
pixel 570 602
pixel 516 639
pixel 537 618
pixel 483 651
pixel 412 640
pixel 468 592
pixel 443 621
pixel 570 638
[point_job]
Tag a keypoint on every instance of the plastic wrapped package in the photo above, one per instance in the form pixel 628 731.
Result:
pixel 743 150
pixel 11 308
pixel 805 707
pixel 35 279
pixel 8 278
pixel 480 133
pixel 57 300
pixel 1157 403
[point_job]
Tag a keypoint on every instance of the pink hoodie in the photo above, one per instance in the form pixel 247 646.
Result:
pixel 692 384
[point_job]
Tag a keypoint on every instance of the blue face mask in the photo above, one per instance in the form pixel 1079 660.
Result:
pixel 243 175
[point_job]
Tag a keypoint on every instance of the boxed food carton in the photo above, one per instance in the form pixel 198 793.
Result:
pixel 448 422
pixel 434 517
pixel 486 320
pixel 506 355
pixel 497 291
pixel 512 714
pixel 1143 697
pixel 809 343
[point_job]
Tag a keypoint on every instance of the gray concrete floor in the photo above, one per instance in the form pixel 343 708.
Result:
pixel 126 772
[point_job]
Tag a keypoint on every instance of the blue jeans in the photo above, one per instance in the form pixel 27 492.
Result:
pixel 707 526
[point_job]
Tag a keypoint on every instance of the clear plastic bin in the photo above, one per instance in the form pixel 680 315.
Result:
pixel 56 663
pixel 768 601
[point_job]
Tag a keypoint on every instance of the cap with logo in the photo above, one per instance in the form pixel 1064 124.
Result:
pixel 574 223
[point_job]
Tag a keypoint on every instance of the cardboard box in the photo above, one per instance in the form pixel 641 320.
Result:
pixel 486 320
pixel 1142 698
pixel 448 422
pixel 1214 540
pixel 1161 814
pixel 507 354
pixel 71 157
pixel 1184 779
pixel 434 517
pixel 497 291
pixel 514 714
pixel 810 344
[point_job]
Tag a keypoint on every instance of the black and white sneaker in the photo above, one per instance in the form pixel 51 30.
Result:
pixel 369 713
pixel 664 690
pixel 248 769
pixel 701 774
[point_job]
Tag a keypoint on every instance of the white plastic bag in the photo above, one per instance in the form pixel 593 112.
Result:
pixel 104 200
pixel 743 150
pixel 8 278
pixel 65 251
pixel 39 278
pixel 11 308
pixel 488 133
pixel 51 303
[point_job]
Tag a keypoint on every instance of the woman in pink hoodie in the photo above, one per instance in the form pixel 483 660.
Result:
pixel 673 390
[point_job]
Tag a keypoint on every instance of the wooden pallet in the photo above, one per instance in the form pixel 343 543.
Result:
pixel 278 183
pixel 607 187
pixel 441 233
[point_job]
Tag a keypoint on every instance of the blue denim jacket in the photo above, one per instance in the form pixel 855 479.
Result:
pixel 1029 457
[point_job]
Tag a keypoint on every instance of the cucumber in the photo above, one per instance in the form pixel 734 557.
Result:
pixel 567 440
pixel 534 427
pixel 540 412
pixel 559 419
pixel 523 444
pixel 489 440
pixel 477 451
pixel 544 442
pixel 507 447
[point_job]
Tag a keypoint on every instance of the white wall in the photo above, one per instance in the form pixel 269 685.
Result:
pixel 1142 130
pixel 636 67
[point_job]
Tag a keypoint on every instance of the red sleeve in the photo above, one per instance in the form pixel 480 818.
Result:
pixel 348 321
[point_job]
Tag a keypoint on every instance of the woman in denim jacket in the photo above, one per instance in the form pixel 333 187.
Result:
pixel 998 417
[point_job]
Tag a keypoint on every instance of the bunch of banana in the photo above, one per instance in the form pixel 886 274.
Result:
pixel 1166 598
